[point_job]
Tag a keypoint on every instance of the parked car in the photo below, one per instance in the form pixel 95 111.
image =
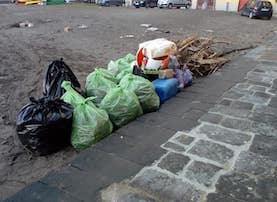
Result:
pixel 174 3
pixel 145 3
pixel 111 2
pixel 257 9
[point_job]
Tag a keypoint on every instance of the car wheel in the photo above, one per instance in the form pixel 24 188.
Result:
pixel 170 6
pixel 251 15
pixel 268 18
pixel 178 7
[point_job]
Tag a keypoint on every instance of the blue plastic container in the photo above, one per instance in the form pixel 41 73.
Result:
pixel 166 88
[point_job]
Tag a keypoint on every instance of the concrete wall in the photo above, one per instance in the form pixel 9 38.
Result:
pixel 194 4
pixel 226 5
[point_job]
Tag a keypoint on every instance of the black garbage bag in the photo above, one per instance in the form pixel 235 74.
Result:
pixel 44 126
pixel 58 72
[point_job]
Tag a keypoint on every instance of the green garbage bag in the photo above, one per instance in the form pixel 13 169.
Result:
pixel 97 86
pixel 106 74
pixel 121 105
pixel 144 90
pixel 71 96
pixel 129 70
pixel 125 62
pixel 113 68
pixel 89 124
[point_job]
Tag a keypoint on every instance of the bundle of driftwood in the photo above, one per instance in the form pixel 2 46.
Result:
pixel 199 55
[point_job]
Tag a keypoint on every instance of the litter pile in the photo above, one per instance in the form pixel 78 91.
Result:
pixel 130 87
pixel 199 55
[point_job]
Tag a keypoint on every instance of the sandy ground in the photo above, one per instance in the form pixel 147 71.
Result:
pixel 26 52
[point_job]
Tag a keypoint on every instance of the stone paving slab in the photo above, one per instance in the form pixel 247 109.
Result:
pixel 225 135
pixel 38 192
pixel 173 162
pixel 201 173
pixel 212 151
pixel 218 197
pixel 265 146
pixel 165 187
pixel 256 164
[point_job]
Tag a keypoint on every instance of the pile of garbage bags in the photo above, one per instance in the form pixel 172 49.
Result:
pixel 130 87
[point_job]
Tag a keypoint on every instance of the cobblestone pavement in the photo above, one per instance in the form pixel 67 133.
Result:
pixel 231 156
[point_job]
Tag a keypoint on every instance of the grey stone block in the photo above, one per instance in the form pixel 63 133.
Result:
pixel 258 88
pixel 218 197
pixel 265 146
pixel 230 111
pixel 184 139
pixel 239 124
pixel 38 192
pixel 270 119
pixel 262 95
pixel 266 189
pixel 273 90
pixel 267 110
pixel 131 197
pixel 224 135
pixel 212 118
pixel 257 77
pixel 241 91
pixel 266 129
pixel 232 95
pixel 273 101
pixel 241 105
pixel 255 164
pixel 259 70
pixel 165 188
pixel 225 102
pixel 212 151
pixel 201 173
pixel 174 162
pixel 173 146
pixel 259 83
pixel 255 99
pixel 87 159
pixel 243 86
pixel 80 184
pixel 238 186
pixel 242 187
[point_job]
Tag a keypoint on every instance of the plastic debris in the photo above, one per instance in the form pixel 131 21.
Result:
pixel 145 25
pixel 82 26
pixel 68 29
pixel 152 29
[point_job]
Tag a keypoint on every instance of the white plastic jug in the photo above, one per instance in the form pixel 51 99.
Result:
pixel 158 48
